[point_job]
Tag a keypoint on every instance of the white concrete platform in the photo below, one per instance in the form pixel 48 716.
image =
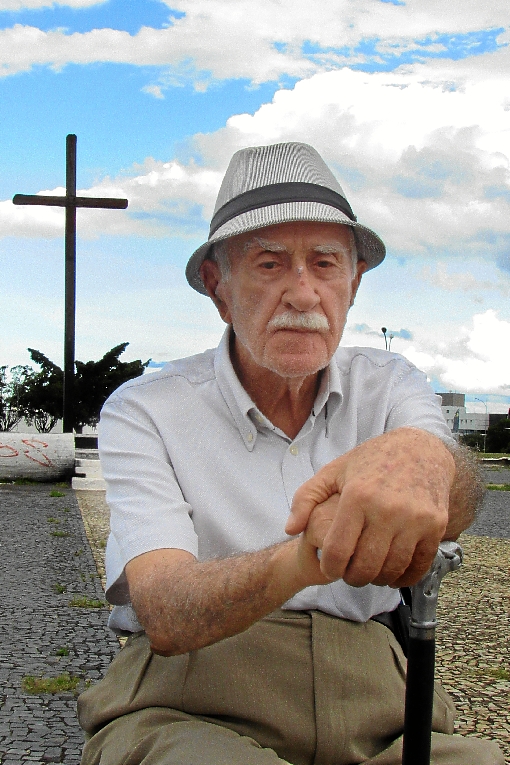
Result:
pixel 40 457
pixel 88 475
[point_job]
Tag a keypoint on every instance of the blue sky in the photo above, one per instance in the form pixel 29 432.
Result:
pixel 408 104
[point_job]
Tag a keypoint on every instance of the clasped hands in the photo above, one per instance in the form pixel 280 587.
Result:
pixel 378 512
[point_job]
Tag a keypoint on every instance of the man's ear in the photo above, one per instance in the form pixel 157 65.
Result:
pixel 361 267
pixel 213 282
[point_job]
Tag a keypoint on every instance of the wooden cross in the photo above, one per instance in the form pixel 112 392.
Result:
pixel 70 202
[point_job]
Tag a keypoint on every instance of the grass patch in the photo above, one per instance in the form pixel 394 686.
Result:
pixel 63 484
pixel 82 601
pixel 60 684
pixel 56 493
pixel 498 673
pixel 60 588
pixel 64 651
pixel 19 481
pixel 59 534
pixel 53 520
pixel 498 486
pixel 66 510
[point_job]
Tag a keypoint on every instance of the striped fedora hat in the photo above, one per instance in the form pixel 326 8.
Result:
pixel 266 185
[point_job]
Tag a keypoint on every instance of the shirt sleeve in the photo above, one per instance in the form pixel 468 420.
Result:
pixel 144 515
pixel 414 403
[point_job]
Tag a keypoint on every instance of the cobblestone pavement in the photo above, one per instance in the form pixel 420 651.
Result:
pixel 46 562
pixel 473 637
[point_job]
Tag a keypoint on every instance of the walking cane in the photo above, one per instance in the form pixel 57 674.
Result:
pixel 421 656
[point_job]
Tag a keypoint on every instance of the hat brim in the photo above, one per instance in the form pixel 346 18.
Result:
pixel 370 247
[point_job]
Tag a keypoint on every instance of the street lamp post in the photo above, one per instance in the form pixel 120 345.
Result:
pixel 387 340
pixel 486 418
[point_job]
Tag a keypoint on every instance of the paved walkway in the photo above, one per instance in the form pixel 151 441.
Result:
pixel 46 562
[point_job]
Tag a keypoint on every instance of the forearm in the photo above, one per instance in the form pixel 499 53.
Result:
pixel 466 493
pixel 191 605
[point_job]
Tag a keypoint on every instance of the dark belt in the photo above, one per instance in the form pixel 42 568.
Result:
pixel 385 618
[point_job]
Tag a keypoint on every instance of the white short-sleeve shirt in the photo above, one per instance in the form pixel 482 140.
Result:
pixel 191 463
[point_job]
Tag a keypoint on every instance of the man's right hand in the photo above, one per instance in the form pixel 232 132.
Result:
pixel 379 511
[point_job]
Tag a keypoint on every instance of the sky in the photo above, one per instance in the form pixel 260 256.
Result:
pixel 407 101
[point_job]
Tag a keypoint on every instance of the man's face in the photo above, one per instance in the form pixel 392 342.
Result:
pixel 287 298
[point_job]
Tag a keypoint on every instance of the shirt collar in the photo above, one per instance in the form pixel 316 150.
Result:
pixel 329 394
pixel 243 409
pixel 236 398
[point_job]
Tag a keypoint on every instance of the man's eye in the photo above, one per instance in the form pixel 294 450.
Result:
pixel 269 264
pixel 325 263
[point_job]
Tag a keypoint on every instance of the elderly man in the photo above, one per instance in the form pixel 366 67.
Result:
pixel 268 499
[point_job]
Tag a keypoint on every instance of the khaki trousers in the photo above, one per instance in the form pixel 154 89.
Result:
pixel 294 688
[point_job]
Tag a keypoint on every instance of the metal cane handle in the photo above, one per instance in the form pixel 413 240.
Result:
pixel 425 592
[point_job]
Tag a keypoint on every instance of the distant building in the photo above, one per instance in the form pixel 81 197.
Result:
pixel 458 419
pixel 453 399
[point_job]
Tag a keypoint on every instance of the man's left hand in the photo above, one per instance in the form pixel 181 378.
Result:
pixel 378 512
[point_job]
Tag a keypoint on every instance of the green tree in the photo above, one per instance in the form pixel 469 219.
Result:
pixel 498 437
pixel 42 394
pixel 473 440
pixel 12 387
pixel 94 381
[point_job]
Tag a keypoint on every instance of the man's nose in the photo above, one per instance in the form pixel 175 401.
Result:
pixel 300 292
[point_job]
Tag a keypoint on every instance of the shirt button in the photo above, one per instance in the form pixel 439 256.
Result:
pixel 249 437
pixel 294 450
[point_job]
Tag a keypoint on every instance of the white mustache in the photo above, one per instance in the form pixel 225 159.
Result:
pixel 315 322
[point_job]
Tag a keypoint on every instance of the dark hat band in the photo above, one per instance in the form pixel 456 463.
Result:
pixel 279 193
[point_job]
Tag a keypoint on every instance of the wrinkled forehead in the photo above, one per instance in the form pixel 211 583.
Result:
pixel 257 243
pixel 324 238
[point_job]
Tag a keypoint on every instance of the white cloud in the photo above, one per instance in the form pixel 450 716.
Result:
pixel 253 40
pixel 22 47
pixel 30 221
pixel 165 198
pixel 476 361
pixel 427 167
pixel 153 90
pixel 425 164
pixel 438 275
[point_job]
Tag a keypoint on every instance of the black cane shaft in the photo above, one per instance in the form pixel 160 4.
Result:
pixel 419 700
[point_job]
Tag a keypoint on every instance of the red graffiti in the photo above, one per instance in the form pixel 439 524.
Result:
pixel 13 452
pixel 32 443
